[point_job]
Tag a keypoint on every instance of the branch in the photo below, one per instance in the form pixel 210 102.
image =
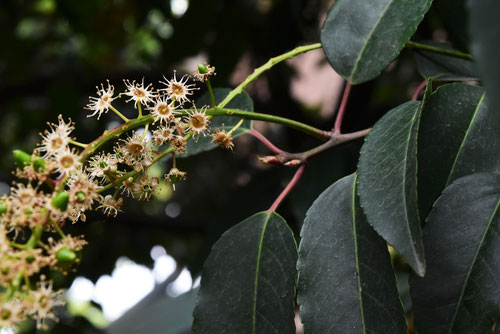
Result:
pixel 287 189
pixel 270 63
pixel 435 49
pixel 295 159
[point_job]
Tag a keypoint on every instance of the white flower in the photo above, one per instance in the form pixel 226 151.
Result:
pixel 103 102
pixel 67 162
pixel 138 92
pixel 57 139
pixel 163 110
pixel 178 90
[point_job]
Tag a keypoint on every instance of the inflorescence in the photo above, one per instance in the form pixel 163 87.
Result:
pixel 62 183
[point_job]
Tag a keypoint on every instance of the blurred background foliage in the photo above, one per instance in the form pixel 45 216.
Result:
pixel 54 53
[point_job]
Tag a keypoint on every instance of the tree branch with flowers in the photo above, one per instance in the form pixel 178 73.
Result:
pixel 356 235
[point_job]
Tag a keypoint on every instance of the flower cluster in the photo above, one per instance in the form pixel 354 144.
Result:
pixel 62 179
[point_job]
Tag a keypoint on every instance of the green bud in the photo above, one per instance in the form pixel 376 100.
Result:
pixel 60 201
pixel 30 258
pixel 21 158
pixel 65 255
pixel 5 315
pixel 5 270
pixel 202 69
pixel 3 208
pixel 39 165
pixel 80 196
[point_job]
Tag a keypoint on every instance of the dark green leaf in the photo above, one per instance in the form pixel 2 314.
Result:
pixel 242 102
pixel 484 28
pixel 387 182
pixel 440 67
pixel 346 282
pixel 461 291
pixel 360 38
pixel 248 280
pixel 458 135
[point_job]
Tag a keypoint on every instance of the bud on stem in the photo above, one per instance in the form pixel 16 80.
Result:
pixel 21 158
pixel 60 201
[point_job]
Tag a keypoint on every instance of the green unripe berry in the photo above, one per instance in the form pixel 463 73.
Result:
pixel 5 270
pixel 202 69
pixel 80 196
pixel 30 258
pixel 60 201
pixel 21 158
pixel 39 164
pixel 3 208
pixel 5 315
pixel 65 255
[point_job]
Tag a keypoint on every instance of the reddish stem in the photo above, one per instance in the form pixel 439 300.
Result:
pixel 419 89
pixel 343 103
pixel 265 141
pixel 287 189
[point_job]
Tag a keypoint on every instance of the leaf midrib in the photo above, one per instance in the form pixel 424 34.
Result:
pixel 415 115
pixel 257 265
pixel 361 52
pixel 486 230
pixel 354 232
pixel 462 144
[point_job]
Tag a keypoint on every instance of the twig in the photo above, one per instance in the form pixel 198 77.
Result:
pixel 287 189
pixel 341 112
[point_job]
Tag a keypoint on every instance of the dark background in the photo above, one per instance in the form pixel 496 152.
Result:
pixel 54 52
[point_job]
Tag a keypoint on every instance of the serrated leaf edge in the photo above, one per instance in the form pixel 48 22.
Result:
pixel 486 230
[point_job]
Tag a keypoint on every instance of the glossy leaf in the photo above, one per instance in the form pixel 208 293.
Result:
pixel 248 280
pixel 440 67
pixel 242 102
pixel 458 135
pixel 461 291
pixel 346 282
pixel 360 38
pixel 387 182
pixel 484 28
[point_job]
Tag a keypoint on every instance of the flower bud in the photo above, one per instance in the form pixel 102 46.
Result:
pixel 80 196
pixel 203 69
pixel 39 164
pixel 60 201
pixel 65 255
pixel 21 158
pixel 3 208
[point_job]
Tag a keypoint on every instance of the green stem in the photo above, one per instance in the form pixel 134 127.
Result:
pixel 119 113
pixel 270 63
pixel 139 107
pixel 77 143
pixel 58 229
pixel 211 93
pixel 320 134
pixel 36 233
pixel 435 49
pixel 114 133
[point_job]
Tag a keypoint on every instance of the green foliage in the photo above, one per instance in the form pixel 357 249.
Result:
pixel 461 292
pixel 344 264
pixel 361 38
pixel 248 281
pixel 438 67
pixel 387 182
pixel 428 186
